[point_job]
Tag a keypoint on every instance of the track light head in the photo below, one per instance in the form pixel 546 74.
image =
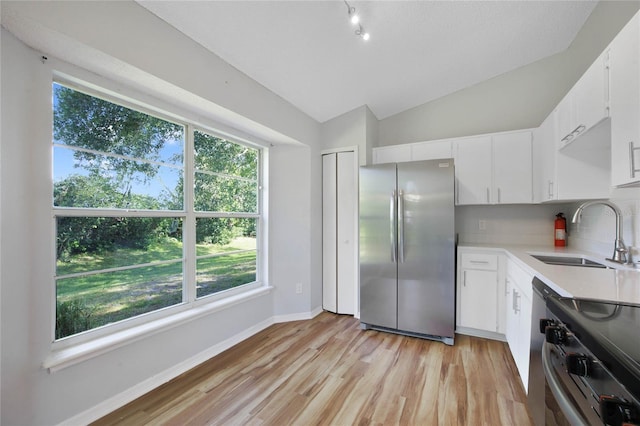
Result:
pixel 360 32
pixel 355 20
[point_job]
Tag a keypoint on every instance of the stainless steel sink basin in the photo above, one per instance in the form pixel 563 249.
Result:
pixel 568 261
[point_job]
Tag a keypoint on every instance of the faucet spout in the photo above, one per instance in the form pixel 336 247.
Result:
pixel 620 251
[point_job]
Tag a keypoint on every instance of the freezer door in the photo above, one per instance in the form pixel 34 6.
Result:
pixel 426 247
pixel 378 254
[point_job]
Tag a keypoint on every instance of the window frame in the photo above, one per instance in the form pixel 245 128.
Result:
pixel 130 98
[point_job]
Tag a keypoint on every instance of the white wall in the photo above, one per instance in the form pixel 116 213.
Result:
pixel 346 130
pixel 294 206
pixel 30 394
pixel 515 100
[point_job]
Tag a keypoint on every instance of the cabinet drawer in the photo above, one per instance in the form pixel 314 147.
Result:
pixel 520 278
pixel 487 262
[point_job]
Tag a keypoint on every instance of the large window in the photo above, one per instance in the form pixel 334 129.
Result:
pixel 149 212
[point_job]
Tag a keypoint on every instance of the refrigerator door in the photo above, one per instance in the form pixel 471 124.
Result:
pixel 426 247
pixel 378 247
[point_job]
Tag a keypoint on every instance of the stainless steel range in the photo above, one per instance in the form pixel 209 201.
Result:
pixel 591 362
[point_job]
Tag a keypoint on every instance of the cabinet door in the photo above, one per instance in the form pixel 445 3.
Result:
pixel 625 104
pixel 431 150
pixel 473 163
pixel 565 120
pixel 392 154
pixel 524 338
pixel 591 95
pixel 478 304
pixel 512 169
pixel 544 160
pixel 511 329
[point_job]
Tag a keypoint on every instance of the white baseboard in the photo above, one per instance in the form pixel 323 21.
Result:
pixel 480 333
pixel 297 317
pixel 123 398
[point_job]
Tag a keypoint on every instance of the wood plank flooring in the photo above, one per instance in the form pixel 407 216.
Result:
pixel 327 371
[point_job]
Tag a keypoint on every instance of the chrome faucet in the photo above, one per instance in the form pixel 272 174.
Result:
pixel 620 251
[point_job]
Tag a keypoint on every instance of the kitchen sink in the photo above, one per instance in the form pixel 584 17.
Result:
pixel 568 261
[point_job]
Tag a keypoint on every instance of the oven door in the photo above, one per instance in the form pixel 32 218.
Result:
pixel 564 399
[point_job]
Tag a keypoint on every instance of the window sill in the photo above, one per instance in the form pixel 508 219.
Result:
pixel 67 357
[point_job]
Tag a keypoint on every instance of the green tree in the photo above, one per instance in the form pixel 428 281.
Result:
pixel 226 181
pixel 84 121
pixel 111 139
pixel 94 234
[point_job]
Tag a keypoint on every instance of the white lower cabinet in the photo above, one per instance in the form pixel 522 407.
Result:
pixel 518 304
pixel 480 289
pixel 494 300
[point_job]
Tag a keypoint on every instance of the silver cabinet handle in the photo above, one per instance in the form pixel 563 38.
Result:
pixel 488 195
pixel 632 159
pixel 550 189
pixel 401 226
pixel 567 138
pixel 516 305
pixel 479 262
pixel 464 278
pixel 393 227
pixel 499 195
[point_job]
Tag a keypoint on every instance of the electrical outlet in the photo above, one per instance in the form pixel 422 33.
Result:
pixel 299 288
pixel 482 225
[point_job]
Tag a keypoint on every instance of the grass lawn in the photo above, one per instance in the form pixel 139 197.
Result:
pixel 112 296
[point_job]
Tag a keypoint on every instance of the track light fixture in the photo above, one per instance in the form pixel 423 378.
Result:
pixel 355 20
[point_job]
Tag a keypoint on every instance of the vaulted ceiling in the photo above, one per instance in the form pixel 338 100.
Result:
pixel 307 52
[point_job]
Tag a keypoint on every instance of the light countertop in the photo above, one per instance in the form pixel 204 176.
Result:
pixel 616 285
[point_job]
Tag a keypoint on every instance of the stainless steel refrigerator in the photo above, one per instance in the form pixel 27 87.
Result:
pixel 407 248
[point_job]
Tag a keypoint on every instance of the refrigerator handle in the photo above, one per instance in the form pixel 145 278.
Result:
pixel 393 227
pixel 401 226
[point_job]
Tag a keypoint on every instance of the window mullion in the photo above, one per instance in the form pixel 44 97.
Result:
pixel 189 230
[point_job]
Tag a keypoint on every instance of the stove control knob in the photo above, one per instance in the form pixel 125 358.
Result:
pixel 578 364
pixel 555 334
pixel 616 411
pixel 544 323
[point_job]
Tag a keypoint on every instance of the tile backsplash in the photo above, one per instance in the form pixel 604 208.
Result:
pixel 597 229
pixel 534 224
pixel 530 224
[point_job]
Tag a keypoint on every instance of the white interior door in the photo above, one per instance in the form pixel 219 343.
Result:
pixel 329 233
pixel 347 197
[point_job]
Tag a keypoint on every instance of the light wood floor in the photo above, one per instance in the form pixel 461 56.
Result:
pixel 329 371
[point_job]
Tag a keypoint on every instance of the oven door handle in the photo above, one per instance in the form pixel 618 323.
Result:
pixel 564 402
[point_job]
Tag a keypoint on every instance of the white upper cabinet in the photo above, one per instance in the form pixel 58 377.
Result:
pixel 625 105
pixel 578 170
pixel 430 150
pixel 392 154
pixel 586 104
pixel 494 169
pixel 544 159
pixel 473 162
pixel 512 168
